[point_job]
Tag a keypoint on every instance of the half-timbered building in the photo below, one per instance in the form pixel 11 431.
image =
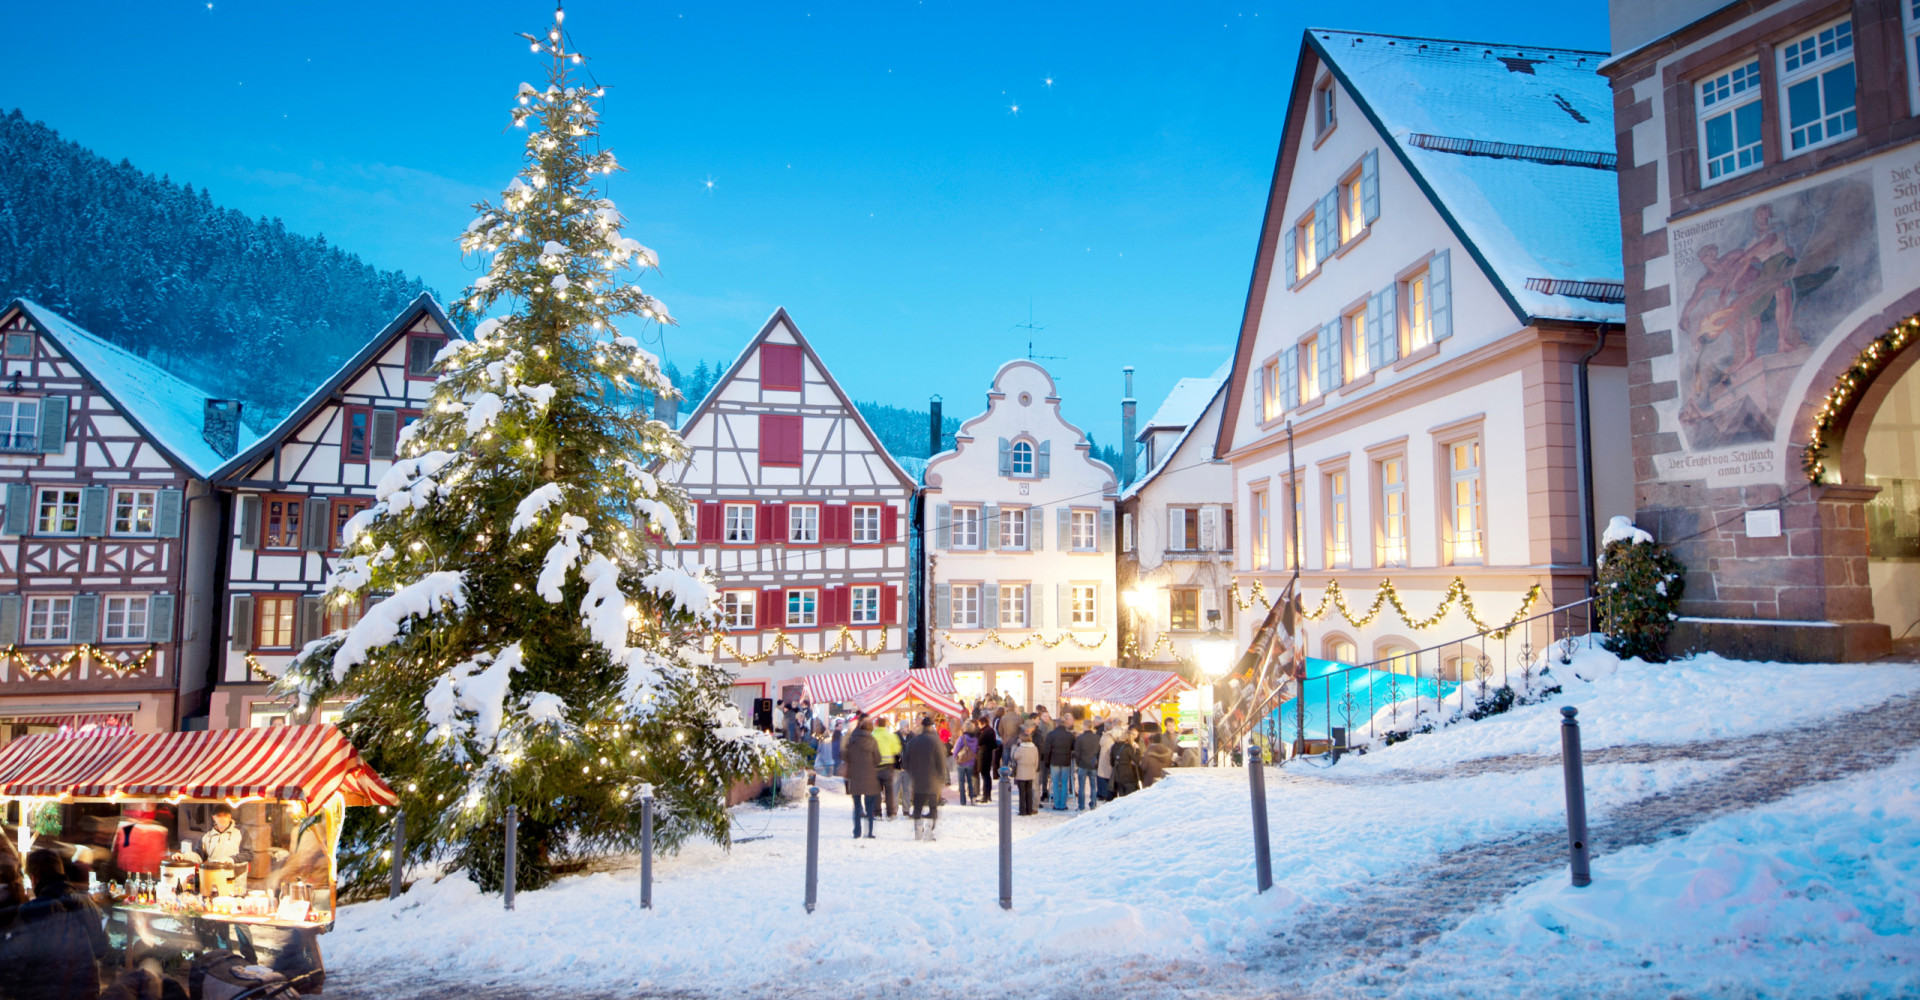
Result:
pixel 803 515
pixel 105 606
pixel 293 491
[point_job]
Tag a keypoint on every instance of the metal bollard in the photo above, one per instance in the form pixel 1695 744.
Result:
pixel 1257 785
pixel 813 843
pixel 646 847
pixel 1006 838
pixel 1576 781
pixel 397 879
pixel 513 850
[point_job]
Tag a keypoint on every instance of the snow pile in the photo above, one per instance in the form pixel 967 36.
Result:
pixel 383 623
pixel 1622 529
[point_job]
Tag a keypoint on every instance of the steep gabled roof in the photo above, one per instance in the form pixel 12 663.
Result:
pixel 424 304
pixel 169 410
pixel 1186 402
pixel 780 318
pixel 1214 399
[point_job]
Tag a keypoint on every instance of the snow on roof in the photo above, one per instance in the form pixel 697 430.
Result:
pixel 168 409
pixel 1186 402
pixel 1219 383
pixel 1527 218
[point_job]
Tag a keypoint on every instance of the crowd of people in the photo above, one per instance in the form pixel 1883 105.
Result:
pixel 1070 763
pixel 53 938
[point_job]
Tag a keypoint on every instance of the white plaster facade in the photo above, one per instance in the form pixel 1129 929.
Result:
pixel 1020 543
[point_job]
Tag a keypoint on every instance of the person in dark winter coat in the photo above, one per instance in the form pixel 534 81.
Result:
pixel 1126 764
pixel 989 758
pixel 862 769
pixel 57 941
pixel 1156 758
pixel 925 761
pixel 1058 756
pixel 1086 765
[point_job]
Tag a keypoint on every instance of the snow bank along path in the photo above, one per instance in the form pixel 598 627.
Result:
pixel 1377 860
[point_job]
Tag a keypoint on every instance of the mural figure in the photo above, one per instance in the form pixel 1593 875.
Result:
pixel 1760 287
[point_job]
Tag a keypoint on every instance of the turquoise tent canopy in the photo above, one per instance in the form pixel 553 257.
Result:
pixel 1346 697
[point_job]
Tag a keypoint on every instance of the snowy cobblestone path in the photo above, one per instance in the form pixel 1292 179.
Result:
pixel 1359 948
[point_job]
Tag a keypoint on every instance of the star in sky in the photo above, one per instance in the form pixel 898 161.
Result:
pixel 1049 81
pixel 1014 110
pixel 708 186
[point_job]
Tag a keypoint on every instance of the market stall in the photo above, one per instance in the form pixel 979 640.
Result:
pixel 877 692
pixel 1121 687
pixel 287 787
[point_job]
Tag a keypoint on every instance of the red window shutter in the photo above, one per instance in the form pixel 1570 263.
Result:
pixel 782 366
pixel 773 610
pixel 836 524
pixel 841 605
pixel 710 521
pixel 780 441
pixel 773 522
pixel 890 603
pixel 890 523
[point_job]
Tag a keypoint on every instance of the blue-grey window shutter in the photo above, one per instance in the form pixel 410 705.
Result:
pixel 86 618
pixel 1290 257
pixel 1043 460
pixel 1037 529
pixel 1036 611
pixel 1105 543
pixel 316 532
pixel 1063 603
pixel 311 621
pixel 943 526
pixel 990 604
pixel 1064 540
pixel 1006 457
pixel 1376 351
pixel 386 427
pixel 1330 356
pixel 19 508
pixel 53 425
pixel 1326 223
pixel 1289 380
pixel 166 514
pixel 9 618
pixel 989 526
pixel 1387 307
pixel 942 605
pixel 93 511
pixel 249 521
pixel 160 618
pixel 240 636
pixel 1440 295
pixel 1370 186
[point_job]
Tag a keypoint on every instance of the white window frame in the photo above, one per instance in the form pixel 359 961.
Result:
pixel 12 438
pixel 123 617
pixel 1339 528
pixel 739 608
pixel 1417 297
pixel 1393 524
pixel 864 606
pixel 866 524
pixel 66 502
pixel 965 610
pixel 1341 649
pixel 1013 528
pixel 1304 262
pixel 1725 95
pixel 1325 115
pixel 1353 343
pixel 127 508
pixel 803 524
pixel 1013 606
pixel 803 608
pixel 738 526
pixel 1272 403
pixel 1083 530
pixel 966 527
pixel 1308 353
pixel 1353 217
pixel 1084 605
pixel 1020 454
pixel 1832 46
pixel 1262 506
pixel 49 618
pixel 1471 547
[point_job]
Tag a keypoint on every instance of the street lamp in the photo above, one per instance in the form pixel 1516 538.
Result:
pixel 1213 652
pixel 1139 602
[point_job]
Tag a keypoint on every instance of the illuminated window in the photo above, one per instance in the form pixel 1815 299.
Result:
pixel 737 608
pixel 125 619
pixel 1339 530
pixel 1393 512
pixel 273 622
pixel 1463 522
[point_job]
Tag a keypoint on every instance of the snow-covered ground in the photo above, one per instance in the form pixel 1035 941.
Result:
pixel 1154 894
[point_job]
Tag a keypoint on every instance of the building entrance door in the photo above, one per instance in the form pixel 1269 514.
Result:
pixel 1893 517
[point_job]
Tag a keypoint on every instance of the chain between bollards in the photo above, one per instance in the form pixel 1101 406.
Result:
pixel 1257 786
pixel 396 883
pixel 513 851
pixel 1570 763
pixel 646 847
pixel 1006 838
pixel 813 842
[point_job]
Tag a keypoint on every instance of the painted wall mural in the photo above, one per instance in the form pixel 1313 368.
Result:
pixel 1759 289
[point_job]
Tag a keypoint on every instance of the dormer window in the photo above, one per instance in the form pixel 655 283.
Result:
pixel 1023 458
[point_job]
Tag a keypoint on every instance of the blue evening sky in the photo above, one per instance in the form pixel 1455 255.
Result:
pixel 861 164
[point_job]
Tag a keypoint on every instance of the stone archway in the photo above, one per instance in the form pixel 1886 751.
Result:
pixel 1872 448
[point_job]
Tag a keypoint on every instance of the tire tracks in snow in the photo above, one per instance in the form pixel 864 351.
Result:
pixel 1360 947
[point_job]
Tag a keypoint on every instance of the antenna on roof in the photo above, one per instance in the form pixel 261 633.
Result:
pixel 1032 328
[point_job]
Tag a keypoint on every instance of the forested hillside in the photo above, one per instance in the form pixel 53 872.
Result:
pixel 238 306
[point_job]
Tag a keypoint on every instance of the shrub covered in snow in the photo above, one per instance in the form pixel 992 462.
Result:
pixel 1640 587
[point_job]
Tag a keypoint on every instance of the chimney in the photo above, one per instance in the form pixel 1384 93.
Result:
pixel 666 409
pixel 933 428
pixel 1127 430
pixel 220 426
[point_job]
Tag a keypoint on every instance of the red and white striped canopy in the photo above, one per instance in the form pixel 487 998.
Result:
pixel 899 685
pixel 847 687
pixel 303 763
pixel 1126 687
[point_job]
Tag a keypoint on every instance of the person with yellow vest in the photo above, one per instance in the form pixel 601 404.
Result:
pixel 889 760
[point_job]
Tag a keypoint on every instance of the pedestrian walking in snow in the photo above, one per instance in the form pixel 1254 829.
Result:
pixel 902 790
pixel 1126 764
pixel 966 752
pixel 862 770
pixel 989 759
pixel 1086 764
pixel 1058 757
pixel 1155 758
pixel 1104 768
pixel 889 744
pixel 1026 767
pixel 925 763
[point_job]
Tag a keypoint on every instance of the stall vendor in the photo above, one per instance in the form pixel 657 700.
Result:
pixel 228 842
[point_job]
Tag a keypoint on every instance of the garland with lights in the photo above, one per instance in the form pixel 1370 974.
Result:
pixel 1840 399
pixel 843 644
pixel 1132 647
pixel 258 669
pixel 123 665
pixel 993 636
pixel 1335 598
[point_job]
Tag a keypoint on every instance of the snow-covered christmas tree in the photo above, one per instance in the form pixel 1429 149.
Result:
pixel 533 650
